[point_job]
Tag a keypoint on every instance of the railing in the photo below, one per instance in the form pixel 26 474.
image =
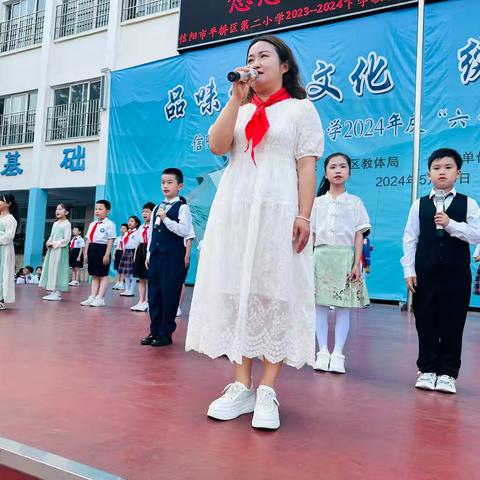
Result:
pixel 22 31
pixel 140 8
pixel 17 128
pixel 77 16
pixel 80 119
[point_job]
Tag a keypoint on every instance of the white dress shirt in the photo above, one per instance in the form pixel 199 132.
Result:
pixel 78 242
pixel 132 242
pixel 182 228
pixel 335 221
pixel 104 232
pixel 468 231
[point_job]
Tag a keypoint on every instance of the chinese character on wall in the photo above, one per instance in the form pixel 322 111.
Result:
pixel 12 165
pixel 74 159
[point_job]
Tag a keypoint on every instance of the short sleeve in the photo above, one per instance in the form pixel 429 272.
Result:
pixel 111 231
pixel 309 140
pixel 362 220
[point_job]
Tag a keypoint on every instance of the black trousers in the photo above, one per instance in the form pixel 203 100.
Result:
pixel 166 274
pixel 440 306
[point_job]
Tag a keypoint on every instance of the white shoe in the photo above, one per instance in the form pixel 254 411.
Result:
pixel 179 312
pixel 236 400
pixel 446 384
pixel 143 307
pixel 127 293
pixel 426 381
pixel 53 297
pixel 98 302
pixel 323 361
pixel 73 283
pixel 120 286
pixel 88 301
pixel 265 414
pixel 337 363
pixel 115 287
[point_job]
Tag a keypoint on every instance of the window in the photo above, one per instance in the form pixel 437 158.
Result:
pixel 75 111
pixel 140 8
pixel 17 118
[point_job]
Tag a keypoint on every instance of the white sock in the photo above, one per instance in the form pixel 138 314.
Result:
pixel 129 285
pixel 342 326
pixel 321 327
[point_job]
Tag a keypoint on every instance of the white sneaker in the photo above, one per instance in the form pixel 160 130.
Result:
pixel 121 286
pixel 127 293
pixel 446 384
pixel 73 283
pixel 143 307
pixel 98 302
pixel 426 381
pixel 323 361
pixel 53 297
pixel 179 312
pixel 115 287
pixel 337 363
pixel 265 414
pixel 88 301
pixel 236 400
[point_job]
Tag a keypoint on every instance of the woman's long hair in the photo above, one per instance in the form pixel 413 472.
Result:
pixel 13 207
pixel 291 79
pixel 324 186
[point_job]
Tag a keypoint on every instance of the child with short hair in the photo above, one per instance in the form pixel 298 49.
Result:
pixel 126 263
pixel 339 220
pixel 436 265
pixel 166 259
pixel 117 257
pixel 100 237
pixel 55 266
pixel 75 260
pixel 139 267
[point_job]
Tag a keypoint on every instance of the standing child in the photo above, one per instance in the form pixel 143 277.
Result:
pixel 139 268
pixel 476 257
pixel 436 266
pixel 117 258
pixel 126 263
pixel 100 237
pixel 55 266
pixel 166 259
pixel 338 222
pixel 8 227
pixel 75 260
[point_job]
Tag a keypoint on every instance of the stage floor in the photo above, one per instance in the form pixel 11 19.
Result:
pixel 75 381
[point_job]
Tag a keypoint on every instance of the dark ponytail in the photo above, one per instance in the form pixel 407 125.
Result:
pixel 12 207
pixel 324 186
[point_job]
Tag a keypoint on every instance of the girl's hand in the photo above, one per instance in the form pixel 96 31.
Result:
pixel 240 89
pixel 301 234
pixel 106 259
pixel 187 261
pixel 354 275
pixel 48 244
pixel 78 259
pixel 411 283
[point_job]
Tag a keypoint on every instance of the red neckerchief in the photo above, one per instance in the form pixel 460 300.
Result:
pixel 258 125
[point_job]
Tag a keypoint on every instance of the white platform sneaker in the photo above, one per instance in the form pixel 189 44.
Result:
pixel 426 381
pixel 236 400
pixel 323 361
pixel 265 414
pixel 445 384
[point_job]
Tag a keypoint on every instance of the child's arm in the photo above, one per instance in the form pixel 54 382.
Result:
pixel 468 231
pixel 354 275
pixel 8 235
pixel 188 252
pixel 85 253
pixel 410 240
pixel 182 227
pixel 476 253
pixel 106 257
pixel 80 253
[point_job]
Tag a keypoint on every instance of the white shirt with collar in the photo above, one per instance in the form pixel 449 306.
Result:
pixel 78 242
pixel 468 231
pixel 104 232
pixel 182 228
pixel 132 242
pixel 335 221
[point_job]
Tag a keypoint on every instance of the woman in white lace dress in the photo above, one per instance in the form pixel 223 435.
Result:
pixel 254 290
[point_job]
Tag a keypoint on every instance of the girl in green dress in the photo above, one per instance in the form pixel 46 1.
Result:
pixel 55 266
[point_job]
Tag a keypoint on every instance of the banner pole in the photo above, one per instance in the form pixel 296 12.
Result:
pixel 418 111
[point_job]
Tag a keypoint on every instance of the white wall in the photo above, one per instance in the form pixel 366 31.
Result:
pixel 18 72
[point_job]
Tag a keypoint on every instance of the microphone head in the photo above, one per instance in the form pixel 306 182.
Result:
pixel 233 76
pixel 439 197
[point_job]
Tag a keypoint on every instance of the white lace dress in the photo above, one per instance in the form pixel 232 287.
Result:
pixel 254 296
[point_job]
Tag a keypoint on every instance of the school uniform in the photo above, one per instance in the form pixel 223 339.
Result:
pixel 139 268
pixel 442 268
pixel 76 245
pixel 99 234
pixel 118 247
pixel 129 245
pixel 166 270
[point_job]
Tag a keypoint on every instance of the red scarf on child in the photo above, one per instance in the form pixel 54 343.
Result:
pixel 258 125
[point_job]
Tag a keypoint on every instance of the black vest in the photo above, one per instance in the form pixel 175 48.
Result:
pixel 440 254
pixel 163 240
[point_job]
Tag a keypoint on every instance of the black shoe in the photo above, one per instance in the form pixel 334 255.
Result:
pixel 148 340
pixel 162 341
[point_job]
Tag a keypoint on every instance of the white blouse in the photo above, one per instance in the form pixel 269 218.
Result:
pixel 335 221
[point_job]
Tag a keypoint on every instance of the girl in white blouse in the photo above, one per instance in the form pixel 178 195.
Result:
pixel 338 222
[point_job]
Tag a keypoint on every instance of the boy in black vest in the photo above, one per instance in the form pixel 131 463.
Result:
pixel 171 223
pixel 436 266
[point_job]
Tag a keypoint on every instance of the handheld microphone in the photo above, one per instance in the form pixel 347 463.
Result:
pixel 242 76
pixel 439 202
pixel 158 220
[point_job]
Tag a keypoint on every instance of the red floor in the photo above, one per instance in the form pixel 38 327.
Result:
pixel 75 381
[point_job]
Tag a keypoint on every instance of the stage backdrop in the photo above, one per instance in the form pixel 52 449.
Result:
pixel 360 74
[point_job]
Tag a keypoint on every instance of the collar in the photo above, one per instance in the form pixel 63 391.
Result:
pixel 452 192
pixel 172 201
pixel 343 196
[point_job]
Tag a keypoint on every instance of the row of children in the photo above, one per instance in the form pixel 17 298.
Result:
pixel 26 275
